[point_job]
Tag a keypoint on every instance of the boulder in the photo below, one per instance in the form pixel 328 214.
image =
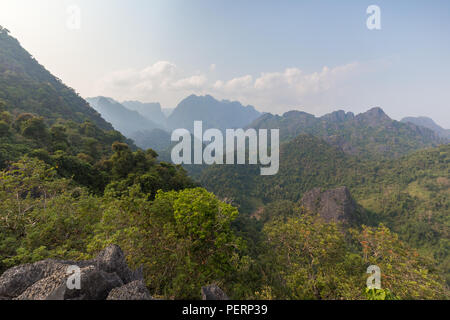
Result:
pixel 15 281
pixel 213 292
pixel 112 259
pixel 95 285
pixel 135 290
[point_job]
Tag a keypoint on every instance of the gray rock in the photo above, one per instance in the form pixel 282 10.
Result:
pixel 335 205
pixel 15 281
pixel 95 285
pixel 135 290
pixel 213 292
pixel 112 259
pixel 47 280
pixel 45 286
pixel 58 294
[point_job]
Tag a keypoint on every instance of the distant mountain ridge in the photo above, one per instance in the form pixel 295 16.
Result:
pixel 369 134
pixel 372 134
pixel 214 113
pixel 148 126
pixel 428 123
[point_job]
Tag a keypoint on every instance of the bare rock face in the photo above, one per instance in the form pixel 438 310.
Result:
pixel 47 280
pixel 335 205
pixel 135 290
pixel 213 292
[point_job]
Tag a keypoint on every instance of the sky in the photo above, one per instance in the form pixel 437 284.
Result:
pixel 316 56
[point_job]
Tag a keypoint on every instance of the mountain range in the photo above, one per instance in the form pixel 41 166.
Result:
pixel 369 134
pixel 148 125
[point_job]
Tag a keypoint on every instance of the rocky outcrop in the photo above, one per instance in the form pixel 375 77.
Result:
pixel 107 277
pixel 213 292
pixel 335 205
pixel 16 280
pixel 95 285
pixel 99 277
pixel 135 290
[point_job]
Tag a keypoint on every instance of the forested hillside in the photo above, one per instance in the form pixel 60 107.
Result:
pixel 26 86
pixel 368 135
pixel 410 195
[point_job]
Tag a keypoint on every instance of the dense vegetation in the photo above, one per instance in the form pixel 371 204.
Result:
pixel 410 195
pixel 185 239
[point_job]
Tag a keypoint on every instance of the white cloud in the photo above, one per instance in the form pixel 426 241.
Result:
pixel 270 91
pixel 285 90
pixel 236 84
pixel 191 83
pixel 159 69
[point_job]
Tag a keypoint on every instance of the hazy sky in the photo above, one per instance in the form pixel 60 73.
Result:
pixel 315 56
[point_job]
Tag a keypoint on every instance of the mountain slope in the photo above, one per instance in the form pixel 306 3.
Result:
pixel 428 123
pixel 151 111
pixel 42 118
pixel 124 120
pixel 26 86
pixel 370 135
pixel 214 114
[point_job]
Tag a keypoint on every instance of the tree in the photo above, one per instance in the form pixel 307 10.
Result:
pixel 35 128
pixel 4 128
pixel 403 271
pixel 309 259
pixel 122 160
pixel 183 239
pixel 26 187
